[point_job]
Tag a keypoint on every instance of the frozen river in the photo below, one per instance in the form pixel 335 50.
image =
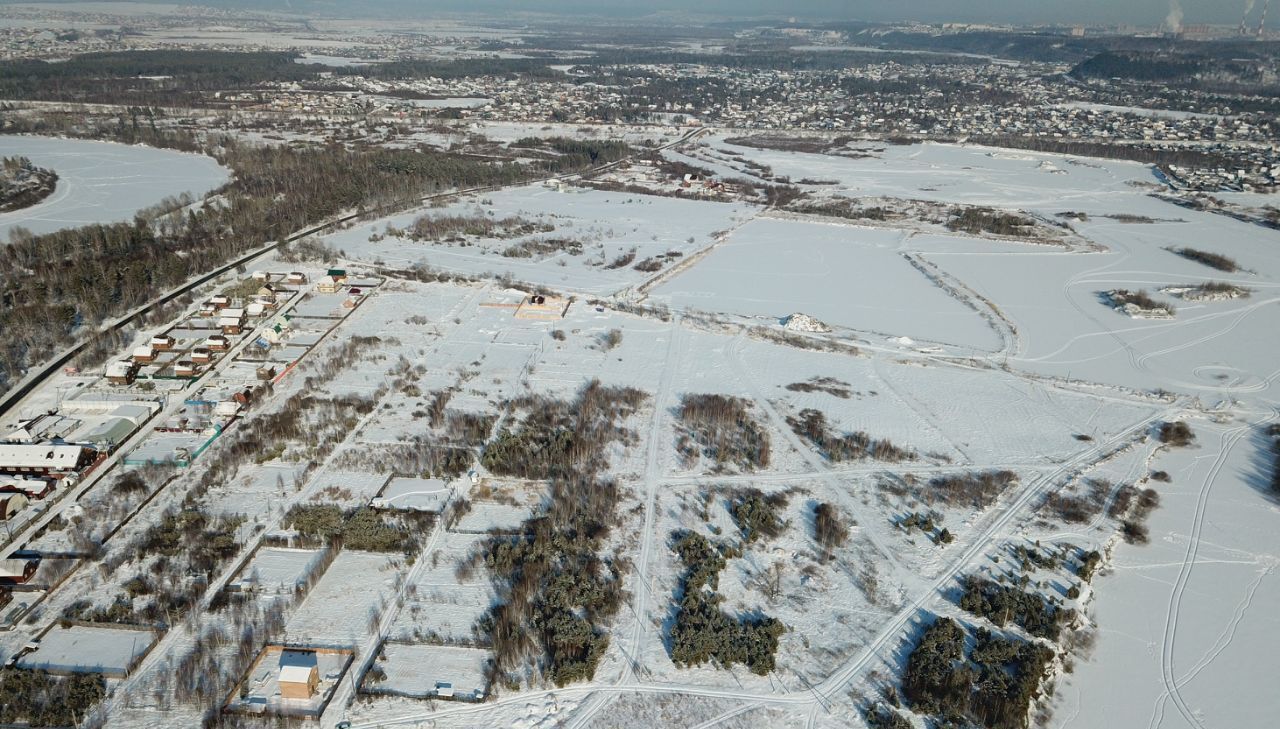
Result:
pixel 104 182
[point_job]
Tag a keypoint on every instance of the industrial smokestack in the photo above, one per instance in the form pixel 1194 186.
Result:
pixel 1262 24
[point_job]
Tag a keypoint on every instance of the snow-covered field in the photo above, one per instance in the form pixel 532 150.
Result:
pixel 968 355
pixel 844 276
pixel 338 610
pixel 608 225
pixel 104 182
pixel 422 671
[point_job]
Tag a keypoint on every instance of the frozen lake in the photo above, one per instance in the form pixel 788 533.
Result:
pixel 104 182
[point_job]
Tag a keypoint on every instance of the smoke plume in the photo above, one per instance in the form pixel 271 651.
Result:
pixel 1173 21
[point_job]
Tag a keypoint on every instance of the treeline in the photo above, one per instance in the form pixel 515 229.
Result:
pixel 563 439
pixel 565 154
pixel 59 286
pixel 363 528
pixel 158 77
pixel 1146 154
pixel 452 69
pixel 994 686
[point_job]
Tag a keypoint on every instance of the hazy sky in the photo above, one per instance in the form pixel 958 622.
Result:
pixel 1139 12
pixel 1144 12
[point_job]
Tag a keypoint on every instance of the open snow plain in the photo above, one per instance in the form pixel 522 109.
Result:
pixel 973 399
pixel 104 182
pixel 975 354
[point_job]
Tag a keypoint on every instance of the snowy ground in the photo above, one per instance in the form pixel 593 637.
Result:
pixel 104 182
pixel 423 671
pixel 969 354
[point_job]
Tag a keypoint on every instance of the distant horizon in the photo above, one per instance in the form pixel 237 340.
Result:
pixel 1142 13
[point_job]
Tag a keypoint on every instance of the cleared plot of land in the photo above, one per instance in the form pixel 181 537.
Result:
pixel 340 607
pixel 440 603
pixel 842 275
pixel 423 671
pixel 85 649
pixel 277 570
pixel 418 494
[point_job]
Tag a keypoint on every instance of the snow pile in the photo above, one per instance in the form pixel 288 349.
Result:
pixel 804 323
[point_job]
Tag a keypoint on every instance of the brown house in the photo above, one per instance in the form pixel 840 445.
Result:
pixel 299 675
pixel 218 343
pixel 123 372
pixel 162 343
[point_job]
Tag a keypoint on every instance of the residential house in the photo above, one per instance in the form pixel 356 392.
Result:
pixel 299 675
pixel 231 321
pixel 123 372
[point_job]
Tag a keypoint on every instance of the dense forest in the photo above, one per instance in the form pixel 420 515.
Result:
pixel 59 286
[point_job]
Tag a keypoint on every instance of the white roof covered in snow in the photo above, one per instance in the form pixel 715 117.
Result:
pixel 39 456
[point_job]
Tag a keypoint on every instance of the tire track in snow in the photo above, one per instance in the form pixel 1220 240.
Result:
pixel 1228 440
pixel 652 477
